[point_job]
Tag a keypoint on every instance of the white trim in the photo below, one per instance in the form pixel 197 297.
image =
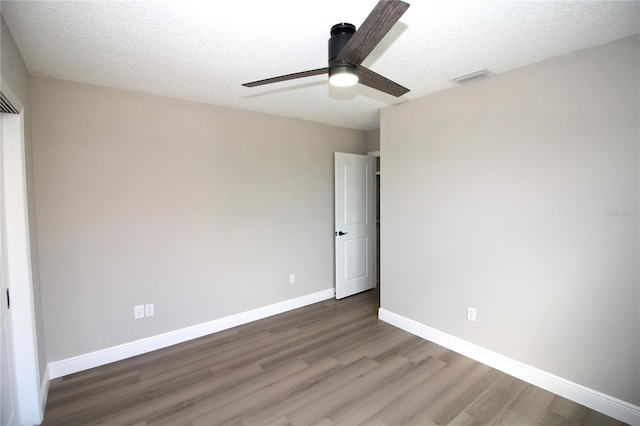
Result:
pixel 593 399
pixel 127 350
pixel 44 390
pixel 376 278
pixel 19 267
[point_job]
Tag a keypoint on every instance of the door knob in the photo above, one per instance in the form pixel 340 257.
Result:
pixel 342 233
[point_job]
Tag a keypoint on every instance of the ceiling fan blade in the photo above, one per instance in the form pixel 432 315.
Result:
pixel 373 29
pixel 378 82
pixel 287 77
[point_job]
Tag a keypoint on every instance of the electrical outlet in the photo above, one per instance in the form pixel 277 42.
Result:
pixel 138 311
pixel 471 313
pixel 148 310
pixel 292 278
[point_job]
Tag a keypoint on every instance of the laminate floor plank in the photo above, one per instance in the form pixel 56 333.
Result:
pixel 465 419
pixel 332 383
pixel 285 390
pixel 418 350
pixel 373 347
pixel 97 407
pixel 67 394
pixel 166 357
pixel 315 341
pixel 265 396
pixel 355 338
pixel 329 403
pixel 401 410
pixel 330 363
pixel 214 356
pixel 459 395
pixel 166 405
pixel 533 403
pixel 205 398
pixel 363 407
pixel 495 398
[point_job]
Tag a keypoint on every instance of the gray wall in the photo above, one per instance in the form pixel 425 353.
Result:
pixel 15 74
pixel 373 140
pixel 518 195
pixel 201 210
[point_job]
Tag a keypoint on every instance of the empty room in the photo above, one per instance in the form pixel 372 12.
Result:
pixel 297 213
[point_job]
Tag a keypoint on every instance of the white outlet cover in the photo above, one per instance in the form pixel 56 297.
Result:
pixel 292 278
pixel 471 313
pixel 148 310
pixel 138 311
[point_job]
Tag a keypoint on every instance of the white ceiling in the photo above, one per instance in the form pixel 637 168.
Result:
pixel 204 50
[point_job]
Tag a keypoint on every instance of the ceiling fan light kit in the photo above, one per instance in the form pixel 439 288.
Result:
pixel 343 76
pixel 348 48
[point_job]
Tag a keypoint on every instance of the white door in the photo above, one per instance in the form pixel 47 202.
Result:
pixel 354 223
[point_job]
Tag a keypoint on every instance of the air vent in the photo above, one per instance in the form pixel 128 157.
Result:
pixel 477 75
pixel 6 106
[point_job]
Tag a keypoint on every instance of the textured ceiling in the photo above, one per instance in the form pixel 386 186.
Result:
pixel 204 50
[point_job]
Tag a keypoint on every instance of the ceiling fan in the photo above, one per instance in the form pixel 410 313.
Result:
pixel 348 48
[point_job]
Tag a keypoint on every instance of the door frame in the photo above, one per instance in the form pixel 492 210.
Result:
pixel 29 400
pixel 376 243
pixel 349 254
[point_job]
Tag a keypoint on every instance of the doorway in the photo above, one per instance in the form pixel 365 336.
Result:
pixel 354 224
pixel 21 382
pixel 357 212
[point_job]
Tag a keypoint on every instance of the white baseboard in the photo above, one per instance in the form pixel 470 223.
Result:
pixel 105 356
pixel 593 399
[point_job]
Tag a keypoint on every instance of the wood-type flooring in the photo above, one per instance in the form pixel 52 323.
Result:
pixel 329 363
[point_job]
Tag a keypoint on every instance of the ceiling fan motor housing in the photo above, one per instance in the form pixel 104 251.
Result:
pixel 340 35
